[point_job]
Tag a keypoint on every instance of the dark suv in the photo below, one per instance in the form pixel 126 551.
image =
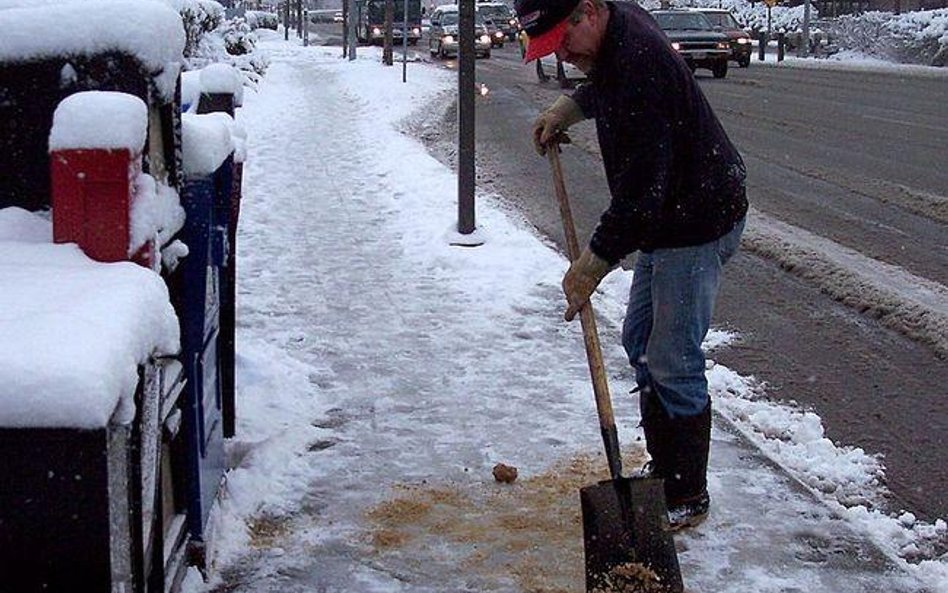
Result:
pixel 722 20
pixel 502 16
pixel 693 36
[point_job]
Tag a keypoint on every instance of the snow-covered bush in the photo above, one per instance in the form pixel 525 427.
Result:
pixel 753 16
pixel 238 39
pixel 257 19
pixel 213 38
pixel 200 17
pixel 914 37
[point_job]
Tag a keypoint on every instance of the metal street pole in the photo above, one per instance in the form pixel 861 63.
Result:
pixel 405 44
pixel 387 58
pixel 351 33
pixel 345 27
pixel 466 117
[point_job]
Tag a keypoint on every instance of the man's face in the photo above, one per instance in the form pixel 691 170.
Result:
pixel 581 41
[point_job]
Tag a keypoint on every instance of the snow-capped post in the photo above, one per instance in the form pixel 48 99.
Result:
pixel 306 27
pixel 781 45
pixel 95 149
pixel 805 42
pixel 221 89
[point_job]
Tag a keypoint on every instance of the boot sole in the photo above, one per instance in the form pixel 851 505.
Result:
pixel 687 523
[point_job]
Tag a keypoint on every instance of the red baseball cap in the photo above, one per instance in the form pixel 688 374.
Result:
pixel 545 43
pixel 545 22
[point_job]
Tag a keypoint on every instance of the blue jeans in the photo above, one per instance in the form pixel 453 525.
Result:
pixel 669 313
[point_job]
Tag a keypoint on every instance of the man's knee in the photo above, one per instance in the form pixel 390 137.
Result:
pixel 679 379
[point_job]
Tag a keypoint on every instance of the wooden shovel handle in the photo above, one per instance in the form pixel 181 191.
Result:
pixel 597 369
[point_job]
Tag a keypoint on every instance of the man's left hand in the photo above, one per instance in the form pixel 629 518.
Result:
pixel 582 278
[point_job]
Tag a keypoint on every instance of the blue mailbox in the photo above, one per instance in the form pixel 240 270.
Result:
pixel 196 291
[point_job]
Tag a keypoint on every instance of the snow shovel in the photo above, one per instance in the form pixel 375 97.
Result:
pixel 626 540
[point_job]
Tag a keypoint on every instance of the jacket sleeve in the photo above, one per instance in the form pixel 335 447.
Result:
pixel 639 175
pixel 584 97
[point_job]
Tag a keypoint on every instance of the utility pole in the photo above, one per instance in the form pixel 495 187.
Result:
pixel 466 117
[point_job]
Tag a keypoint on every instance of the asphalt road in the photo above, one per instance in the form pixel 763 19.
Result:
pixel 854 159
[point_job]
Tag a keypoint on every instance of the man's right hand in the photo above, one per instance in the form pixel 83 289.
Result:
pixel 563 113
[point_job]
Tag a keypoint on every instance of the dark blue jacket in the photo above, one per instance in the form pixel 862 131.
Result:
pixel 675 178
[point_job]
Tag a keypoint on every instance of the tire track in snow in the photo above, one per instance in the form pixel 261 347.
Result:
pixel 912 305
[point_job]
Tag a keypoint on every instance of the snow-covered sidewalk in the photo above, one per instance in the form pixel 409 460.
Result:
pixel 382 373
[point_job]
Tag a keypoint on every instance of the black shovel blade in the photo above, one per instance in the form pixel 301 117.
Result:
pixel 625 522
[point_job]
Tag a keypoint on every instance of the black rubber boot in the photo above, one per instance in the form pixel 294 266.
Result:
pixel 686 482
pixel 659 438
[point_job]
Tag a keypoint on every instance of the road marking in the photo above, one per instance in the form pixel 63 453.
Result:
pixel 905 123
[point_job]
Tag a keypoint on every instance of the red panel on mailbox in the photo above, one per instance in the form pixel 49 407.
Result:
pixel 91 198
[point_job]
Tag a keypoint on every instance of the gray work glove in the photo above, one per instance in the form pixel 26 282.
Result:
pixel 563 113
pixel 582 278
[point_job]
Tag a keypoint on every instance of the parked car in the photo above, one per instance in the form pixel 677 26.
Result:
pixel 501 14
pixel 722 20
pixel 443 38
pixel 695 39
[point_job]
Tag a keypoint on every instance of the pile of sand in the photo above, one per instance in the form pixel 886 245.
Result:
pixel 529 531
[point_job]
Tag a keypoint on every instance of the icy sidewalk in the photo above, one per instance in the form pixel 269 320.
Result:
pixel 382 373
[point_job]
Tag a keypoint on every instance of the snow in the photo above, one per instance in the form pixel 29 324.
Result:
pixel 222 78
pixel 206 141
pixel 108 120
pixel 99 119
pixel 156 213
pixel 22 226
pixel 190 90
pixel 74 330
pixel 147 29
pixel 374 356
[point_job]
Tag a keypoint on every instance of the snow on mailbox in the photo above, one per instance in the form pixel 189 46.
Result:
pixel 101 198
